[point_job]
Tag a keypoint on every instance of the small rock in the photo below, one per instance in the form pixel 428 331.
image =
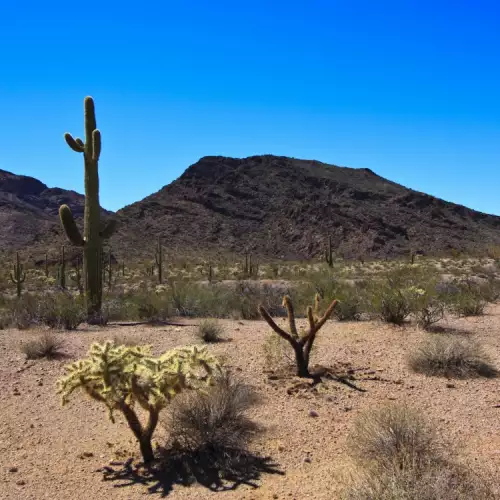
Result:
pixel 13 469
pixel 86 454
pixel 313 414
pixel 307 460
pixel 449 385
pixel 20 482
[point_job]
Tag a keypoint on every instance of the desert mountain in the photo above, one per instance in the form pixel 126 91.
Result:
pixel 29 213
pixel 285 207
pixel 271 206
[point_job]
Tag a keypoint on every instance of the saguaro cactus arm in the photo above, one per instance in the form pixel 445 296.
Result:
pixel 70 227
pixel 109 229
pixel 75 144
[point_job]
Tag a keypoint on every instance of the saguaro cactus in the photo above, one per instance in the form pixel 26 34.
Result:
pixel 61 272
pixel 18 275
pixel 159 260
pixel 93 233
pixel 329 253
pixel 77 276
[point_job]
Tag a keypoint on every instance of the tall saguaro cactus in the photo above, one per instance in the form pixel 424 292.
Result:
pixel 329 253
pixel 18 275
pixel 93 235
pixel 159 260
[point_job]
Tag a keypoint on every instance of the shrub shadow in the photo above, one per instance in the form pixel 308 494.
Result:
pixel 224 470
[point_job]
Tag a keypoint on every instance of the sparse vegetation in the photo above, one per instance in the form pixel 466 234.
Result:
pixel 210 330
pixel 46 345
pixel 215 420
pixel 396 455
pixel 451 356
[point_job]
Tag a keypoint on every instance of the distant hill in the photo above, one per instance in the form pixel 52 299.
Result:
pixel 285 207
pixel 271 206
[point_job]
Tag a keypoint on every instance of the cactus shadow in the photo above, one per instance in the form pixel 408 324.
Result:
pixel 224 470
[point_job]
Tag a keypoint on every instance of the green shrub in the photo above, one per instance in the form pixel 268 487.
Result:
pixel 452 357
pixel 61 310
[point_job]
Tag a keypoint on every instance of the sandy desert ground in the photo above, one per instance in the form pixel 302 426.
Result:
pixel 50 452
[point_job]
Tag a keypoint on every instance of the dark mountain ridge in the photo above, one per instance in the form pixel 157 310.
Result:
pixel 273 206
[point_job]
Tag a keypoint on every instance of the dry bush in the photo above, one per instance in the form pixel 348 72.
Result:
pixel 278 357
pixel 215 421
pixel 46 345
pixel 390 436
pixel 396 456
pixel 452 357
pixel 210 330
pixel 125 340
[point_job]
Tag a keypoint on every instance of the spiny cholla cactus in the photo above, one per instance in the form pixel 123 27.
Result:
pixel 94 234
pixel 123 377
pixel 302 342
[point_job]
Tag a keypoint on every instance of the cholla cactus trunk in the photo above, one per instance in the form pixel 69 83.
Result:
pixel 18 276
pixel 159 260
pixel 46 265
pixel 93 233
pixel 210 273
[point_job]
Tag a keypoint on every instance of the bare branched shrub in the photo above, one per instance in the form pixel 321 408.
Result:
pixel 277 354
pixel 46 345
pixel 396 456
pixel 210 330
pixel 215 421
pixel 453 357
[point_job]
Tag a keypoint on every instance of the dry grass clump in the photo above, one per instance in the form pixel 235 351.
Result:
pixel 396 457
pixel 46 345
pixel 452 357
pixel 210 330
pixel 216 421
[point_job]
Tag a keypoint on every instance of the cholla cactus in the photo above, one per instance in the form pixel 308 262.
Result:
pixel 329 253
pixel 123 377
pixel 302 342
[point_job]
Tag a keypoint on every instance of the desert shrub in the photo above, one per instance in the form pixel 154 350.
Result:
pixel 215 420
pixel 392 435
pixel 61 310
pixel 400 292
pixel 429 308
pixel 350 304
pixel 451 356
pixel 46 345
pixel 277 355
pixel 23 312
pixel 123 378
pixel 210 330
pixel 150 306
pixel 396 456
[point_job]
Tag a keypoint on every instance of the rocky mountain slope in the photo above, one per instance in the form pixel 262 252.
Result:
pixel 271 206
pixel 285 207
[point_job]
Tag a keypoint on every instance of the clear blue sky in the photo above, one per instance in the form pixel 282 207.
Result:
pixel 409 89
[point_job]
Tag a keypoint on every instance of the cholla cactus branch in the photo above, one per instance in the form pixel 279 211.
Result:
pixel 121 377
pixel 302 345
